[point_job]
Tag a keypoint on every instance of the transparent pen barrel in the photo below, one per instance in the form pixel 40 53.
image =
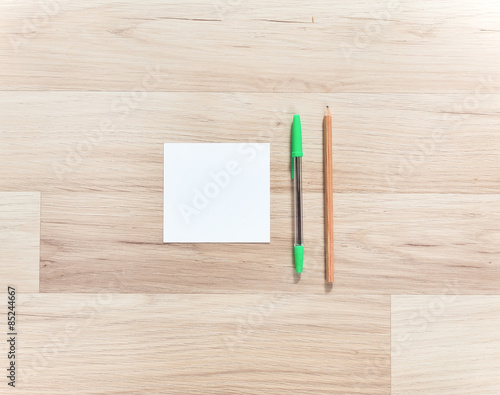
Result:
pixel 297 201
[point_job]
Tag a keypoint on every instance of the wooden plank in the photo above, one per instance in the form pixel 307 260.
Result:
pixel 384 243
pixel 259 46
pixel 196 344
pixel 19 240
pixel 58 141
pixel 445 344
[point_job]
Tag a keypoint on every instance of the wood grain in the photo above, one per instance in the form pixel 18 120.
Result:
pixel 90 92
pixel 259 45
pixel 447 344
pixel 19 240
pixel 199 344
pixel 384 243
pixel 75 142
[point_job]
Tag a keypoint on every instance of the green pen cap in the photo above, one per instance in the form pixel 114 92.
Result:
pixel 296 139
pixel 298 252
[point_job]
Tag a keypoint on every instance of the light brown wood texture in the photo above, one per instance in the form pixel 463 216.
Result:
pixel 19 240
pixel 89 92
pixel 200 344
pixel 384 243
pixel 260 45
pixel 74 142
pixel 445 344
pixel 103 190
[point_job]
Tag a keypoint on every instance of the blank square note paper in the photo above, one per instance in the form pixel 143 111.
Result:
pixel 216 193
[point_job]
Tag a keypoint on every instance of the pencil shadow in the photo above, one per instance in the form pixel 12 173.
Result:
pixel 328 287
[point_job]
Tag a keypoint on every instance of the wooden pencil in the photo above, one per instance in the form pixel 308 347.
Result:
pixel 328 171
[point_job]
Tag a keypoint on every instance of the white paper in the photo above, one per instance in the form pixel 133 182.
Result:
pixel 216 192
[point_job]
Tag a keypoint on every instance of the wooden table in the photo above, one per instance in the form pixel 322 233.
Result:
pixel 89 94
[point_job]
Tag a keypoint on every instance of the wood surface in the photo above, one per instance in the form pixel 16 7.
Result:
pixel 202 344
pixel 19 240
pixel 258 46
pixel 112 141
pixel 102 210
pixel 89 92
pixel 384 243
pixel 445 344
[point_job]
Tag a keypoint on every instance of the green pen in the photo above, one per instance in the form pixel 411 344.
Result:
pixel 298 247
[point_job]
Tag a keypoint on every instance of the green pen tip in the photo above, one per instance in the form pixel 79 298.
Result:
pixel 298 252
